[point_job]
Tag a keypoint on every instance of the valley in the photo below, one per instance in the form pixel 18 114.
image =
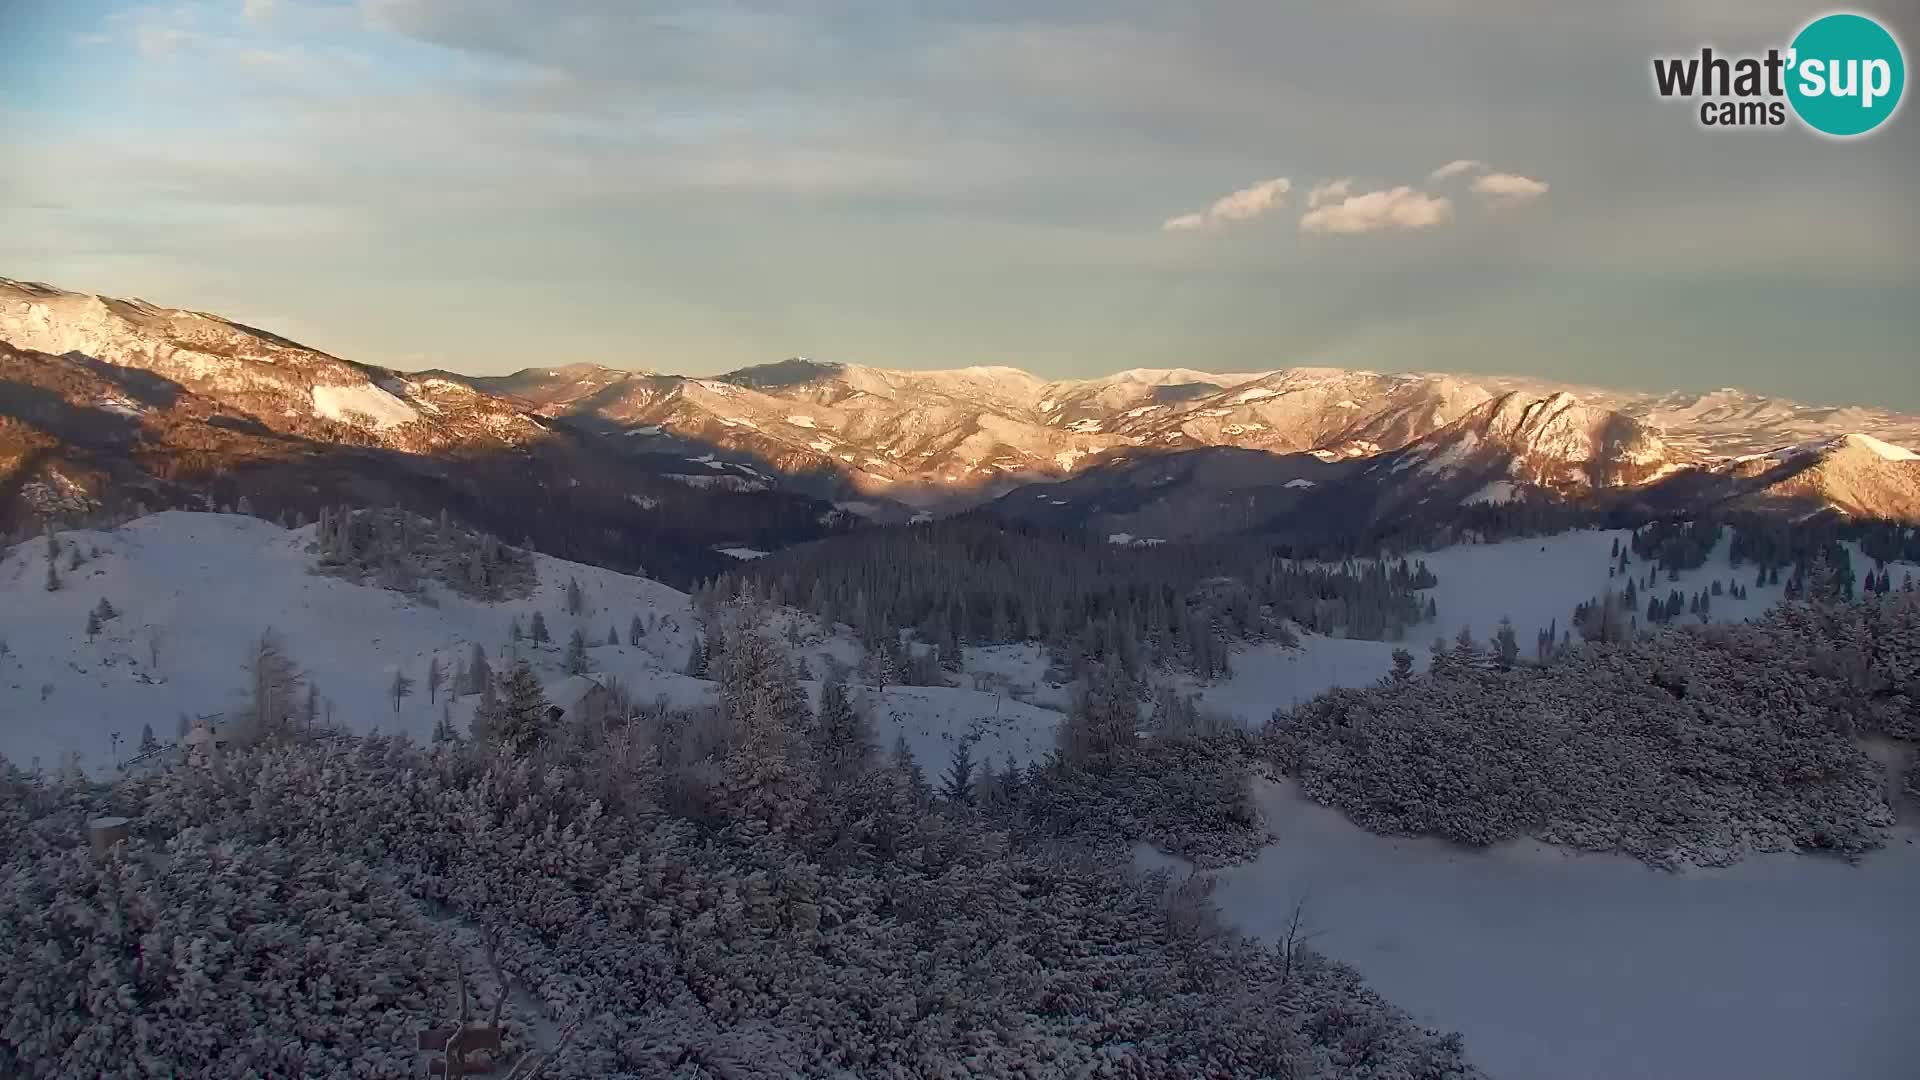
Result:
pixel 1273 625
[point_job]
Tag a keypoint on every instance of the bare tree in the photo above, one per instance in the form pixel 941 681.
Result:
pixel 1295 938
pixel 273 681
pixel 401 687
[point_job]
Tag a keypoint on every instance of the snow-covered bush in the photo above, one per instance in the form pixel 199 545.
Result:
pixel 1191 797
pixel 1694 744
pixel 291 910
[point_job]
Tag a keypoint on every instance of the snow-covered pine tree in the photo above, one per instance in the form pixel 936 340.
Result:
pixel 1506 644
pixel 635 631
pixel 479 672
pixel 518 720
pixel 909 766
pixel 768 781
pixel 613 635
pixel 93 626
pixel 538 632
pixel 576 660
pixel 1402 665
pixel 844 736
pixel 435 675
pixel 956 784
pixel 148 742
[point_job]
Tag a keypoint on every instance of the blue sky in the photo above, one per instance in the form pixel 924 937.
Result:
pixel 1069 186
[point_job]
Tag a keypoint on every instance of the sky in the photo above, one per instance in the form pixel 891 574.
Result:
pixel 1068 186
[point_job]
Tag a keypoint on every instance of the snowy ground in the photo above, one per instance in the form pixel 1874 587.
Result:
pixel 1590 967
pixel 196 590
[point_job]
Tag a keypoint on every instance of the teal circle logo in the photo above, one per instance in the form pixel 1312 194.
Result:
pixel 1845 75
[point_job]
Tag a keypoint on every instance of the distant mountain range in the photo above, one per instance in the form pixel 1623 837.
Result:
pixel 99 393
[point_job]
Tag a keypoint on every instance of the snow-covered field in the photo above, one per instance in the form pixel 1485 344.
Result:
pixel 194 591
pixel 1592 967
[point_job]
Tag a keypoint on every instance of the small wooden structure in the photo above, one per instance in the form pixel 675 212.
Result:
pixel 579 698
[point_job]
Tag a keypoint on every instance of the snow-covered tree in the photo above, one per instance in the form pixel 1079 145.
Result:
pixel 576 661
pixel 844 737
pixel 273 687
pixel 956 784
pixel 517 718
pixel 538 631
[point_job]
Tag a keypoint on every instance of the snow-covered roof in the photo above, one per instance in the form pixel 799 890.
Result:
pixel 570 691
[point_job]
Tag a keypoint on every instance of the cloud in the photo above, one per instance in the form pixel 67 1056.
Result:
pixel 1508 188
pixel 1457 168
pixel 1243 205
pixel 1328 191
pixel 1378 211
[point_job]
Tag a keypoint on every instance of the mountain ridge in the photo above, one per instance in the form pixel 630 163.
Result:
pixel 889 442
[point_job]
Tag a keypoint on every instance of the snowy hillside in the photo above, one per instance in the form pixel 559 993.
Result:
pixel 194 591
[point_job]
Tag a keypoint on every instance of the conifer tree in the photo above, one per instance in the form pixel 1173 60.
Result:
pixel 613 635
pixel 844 736
pixel 434 677
pixel 635 631
pixel 1506 646
pixel 576 661
pixel 479 672
pixel 517 718
pixel 538 632
pixel 93 625
pixel 1402 665
pixel 148 743
pixel 957 783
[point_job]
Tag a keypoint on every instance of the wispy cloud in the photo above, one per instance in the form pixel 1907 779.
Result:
pixel 1507 188
pixel 1243 205
pixel 1456 168
pixel 1400 208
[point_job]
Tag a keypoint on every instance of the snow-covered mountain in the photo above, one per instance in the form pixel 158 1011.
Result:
pixel 1853 474
pixel 1514 444
pixel 285 386
pixel 884 442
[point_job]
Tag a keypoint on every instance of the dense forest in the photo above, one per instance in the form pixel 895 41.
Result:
pixel 1696 743
pixel 972 579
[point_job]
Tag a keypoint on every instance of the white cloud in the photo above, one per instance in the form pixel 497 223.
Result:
pixel 1328 191
pixel 1378 211
pixel 1243 205
pixel 1503 187
pixel 1457 168
pixel 256 10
